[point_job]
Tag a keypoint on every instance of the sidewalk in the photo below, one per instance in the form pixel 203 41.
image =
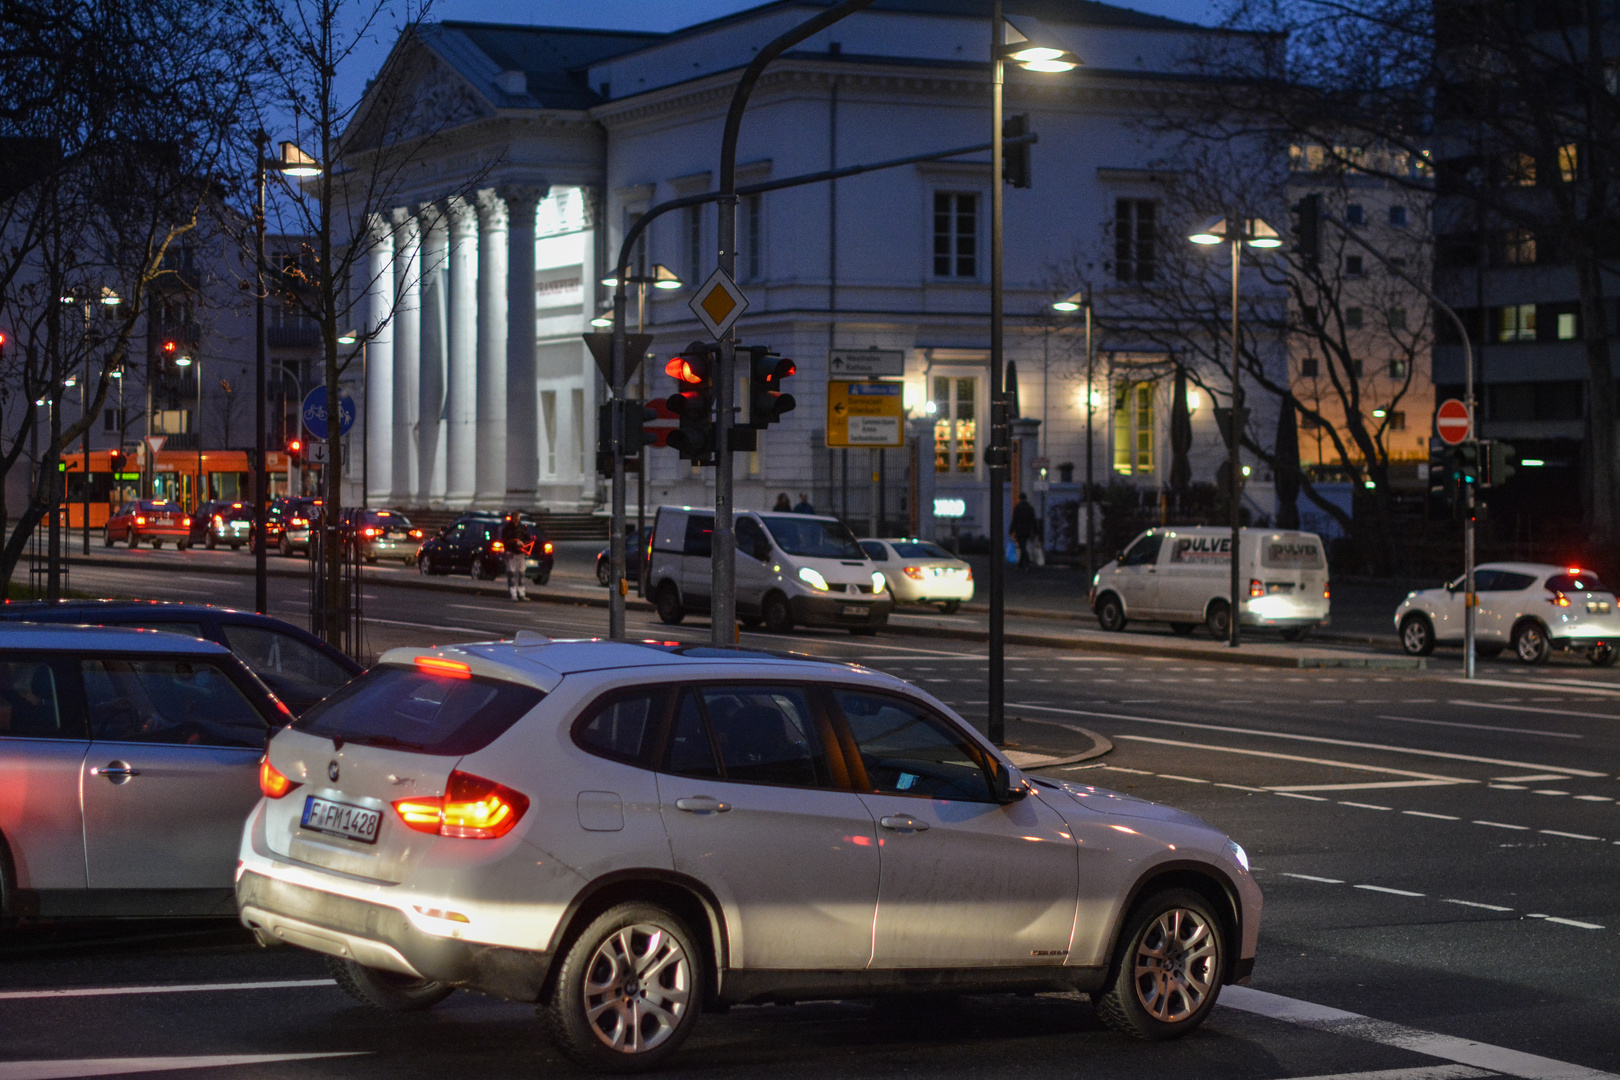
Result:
pixel 1046 609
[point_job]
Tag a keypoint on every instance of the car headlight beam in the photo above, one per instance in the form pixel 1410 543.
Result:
pixel 812 578
pixel 1237 852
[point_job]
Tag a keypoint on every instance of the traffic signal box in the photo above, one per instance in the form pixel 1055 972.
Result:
pixel 1494 464
pixel 637 415
pixel 999 452
pixel 693 405
pixel 766 402
pixel 1308 229
pixel 295 451
pixel 1015 166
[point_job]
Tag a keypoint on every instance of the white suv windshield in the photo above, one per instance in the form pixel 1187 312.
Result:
pixel 813 538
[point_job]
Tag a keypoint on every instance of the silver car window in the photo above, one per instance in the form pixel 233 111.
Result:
pixel 621 729
pixel 765 735
pixel 907 750
pixel 168 701
pixel 28 700
pixel 285 659
pixel 691 751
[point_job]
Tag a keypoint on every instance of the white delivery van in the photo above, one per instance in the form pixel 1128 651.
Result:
pixel 792 569
pixel 1182 576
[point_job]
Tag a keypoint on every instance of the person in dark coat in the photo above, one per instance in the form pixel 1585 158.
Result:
pixel 1025 527
pixel 784 505
pixel 518 543
pixel 804 506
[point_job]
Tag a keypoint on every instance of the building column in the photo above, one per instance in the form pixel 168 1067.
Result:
pixel 405 479
pixel 593 204
pixel 377 416
pixel 461 361
pixel 431 382
pixel 492 370
pixel 522 408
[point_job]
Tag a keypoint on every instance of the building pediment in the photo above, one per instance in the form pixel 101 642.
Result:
pixel 417 94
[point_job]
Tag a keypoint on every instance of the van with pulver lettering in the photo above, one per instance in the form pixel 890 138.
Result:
pixel 1183 575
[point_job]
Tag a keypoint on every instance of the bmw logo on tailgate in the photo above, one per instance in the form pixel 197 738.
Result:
pixel 332 771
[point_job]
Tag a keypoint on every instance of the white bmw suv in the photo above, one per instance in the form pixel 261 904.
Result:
pixel 626 834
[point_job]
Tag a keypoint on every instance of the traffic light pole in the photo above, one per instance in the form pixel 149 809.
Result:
pixel 261 466
pixel 616 586
pixel 996 718
pixel 1470 597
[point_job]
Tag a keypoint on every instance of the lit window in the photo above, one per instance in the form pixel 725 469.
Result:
pixel 1568 161
pixel 1133 428
pixel 1566 326
pixel 1516 322
pixel 955 428
pixel 1521 169
pixel 1518 247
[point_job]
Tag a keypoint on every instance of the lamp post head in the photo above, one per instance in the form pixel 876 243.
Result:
pixel 348 337
pixel 602 321
pixel 182 361
pixel 611 281
pixel 1253 232
pixel 1033 46
pixel 1073 302
pixel 665 278
pixel 109 297
pixel 294 162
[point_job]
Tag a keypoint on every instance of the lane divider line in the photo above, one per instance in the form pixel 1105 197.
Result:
pixel 1432 1044
pixel 82 1067
pixel 190 988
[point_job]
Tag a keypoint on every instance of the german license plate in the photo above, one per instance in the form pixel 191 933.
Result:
pixel 341 819
pixel 852 609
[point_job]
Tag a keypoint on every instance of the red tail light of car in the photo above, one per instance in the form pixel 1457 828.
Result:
pixel 370 532
pixel 913 572
pixel 1558 599
pixel 472 808
pixel 140 520
pixel 273 783
pixel 547 548
pixel 496 546
pixel 1257 588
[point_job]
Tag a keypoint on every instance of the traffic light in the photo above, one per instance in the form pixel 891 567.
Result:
pixel 1015 168
pixel 1467 456
pixel 1496 469
pixel 295 451
pixel 1308 229
pixel 115 461
pixel 636 415
pixel 1443 474
pixel 766 401
pixel 694 369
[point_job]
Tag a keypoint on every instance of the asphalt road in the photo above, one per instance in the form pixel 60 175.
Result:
pixel 1440 863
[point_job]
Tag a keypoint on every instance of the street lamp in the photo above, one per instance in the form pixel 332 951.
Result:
pixel 1027 43
pixel 1075 302
pixel 1237 232
pixel 109 298
pixel 290 162
pixel 662 277
pixel 200 485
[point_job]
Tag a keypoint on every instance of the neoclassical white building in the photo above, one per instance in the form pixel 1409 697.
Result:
pixel 479 389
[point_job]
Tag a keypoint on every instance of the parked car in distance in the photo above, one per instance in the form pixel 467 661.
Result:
pixel 297 665
pixel 632 558
pixel 922 572
pixel 382 534
pixel 150 520
pixel 128 763
pixel 792 569
pixel 712 821
pixel 297 517
pixel 1182 576
pixel 1532 608
pixel 222 521
pixel 472 545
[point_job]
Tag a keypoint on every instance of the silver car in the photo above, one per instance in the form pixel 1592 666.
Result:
pixel 1532 608
pixel 127 766
pixel 625 834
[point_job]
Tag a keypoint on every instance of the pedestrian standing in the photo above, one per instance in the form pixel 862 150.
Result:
pixel 784 505
pixel 804 506
pixel 517 542
pixel 1025 527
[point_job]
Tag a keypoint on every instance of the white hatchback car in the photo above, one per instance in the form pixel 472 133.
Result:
pixel 1532 607
pixel 626 834
pixel 922 572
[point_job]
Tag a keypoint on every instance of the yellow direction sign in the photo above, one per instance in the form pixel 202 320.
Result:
pixel 717 303
pixel 865 413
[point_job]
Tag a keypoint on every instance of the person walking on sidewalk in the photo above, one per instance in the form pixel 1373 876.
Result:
pixel 804 506
pixel 784 505
pixel 517 542
pixel 1025 527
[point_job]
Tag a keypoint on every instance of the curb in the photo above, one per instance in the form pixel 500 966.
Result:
pixel 1100 745
pixel 1046 641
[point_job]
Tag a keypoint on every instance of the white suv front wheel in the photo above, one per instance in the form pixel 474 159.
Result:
pixel 626 994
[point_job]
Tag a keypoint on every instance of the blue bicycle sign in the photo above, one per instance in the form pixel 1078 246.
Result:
pixel 315 413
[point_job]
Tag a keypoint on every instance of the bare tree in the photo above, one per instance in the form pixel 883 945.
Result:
pixel 113 116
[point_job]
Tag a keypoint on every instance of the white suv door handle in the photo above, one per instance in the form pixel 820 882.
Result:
pixel 702 804
pixel 903 823
pixel 116 771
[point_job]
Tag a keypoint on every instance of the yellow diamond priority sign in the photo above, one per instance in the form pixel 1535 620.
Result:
pixel 718 303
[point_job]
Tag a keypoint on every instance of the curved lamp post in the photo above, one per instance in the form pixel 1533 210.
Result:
pixel 1237 232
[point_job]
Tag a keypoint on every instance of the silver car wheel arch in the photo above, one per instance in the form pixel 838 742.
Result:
pixel 639 977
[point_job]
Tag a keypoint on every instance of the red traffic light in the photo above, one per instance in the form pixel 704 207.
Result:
pixel 170 345
pixel 293 446
pixel 681 368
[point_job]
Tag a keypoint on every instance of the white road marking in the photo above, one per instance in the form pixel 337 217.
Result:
pixel 1534 709
pixel 1437 817
pixel 1484 727
pixel 1364 805
pixel 64 1069
pixel 1186 779
pixel 1366 787
pixel 1548 791
pixel 1297 795
pixel 1566 922
pixel 1321 880
pixel 1257 733
pixel 187 988
pixel 1561 685
pixel 1446 1047
pixel 1595 798
pixel 1475 903
pixel 1504 825
pixel 1532 778
pixel 1571 835
pixel 1382 889
pixel 1422 1072
pixel 1295 757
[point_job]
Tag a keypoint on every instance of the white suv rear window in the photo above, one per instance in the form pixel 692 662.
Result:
pixel 407 709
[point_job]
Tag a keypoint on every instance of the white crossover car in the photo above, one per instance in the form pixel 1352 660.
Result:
pixel 626 834
pixel 922 572
pixel 1530 607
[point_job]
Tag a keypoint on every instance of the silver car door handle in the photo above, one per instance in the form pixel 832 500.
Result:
pixel 116 771
pixel 702 804
pixel 903 823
